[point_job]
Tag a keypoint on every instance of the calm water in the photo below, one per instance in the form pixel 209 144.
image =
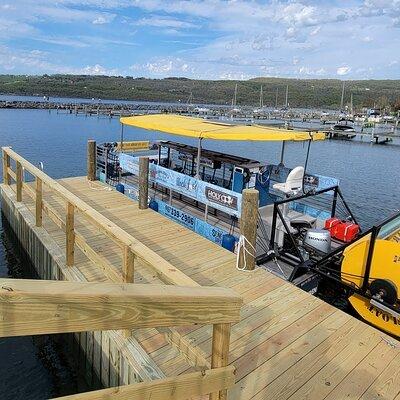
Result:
pixel 369 177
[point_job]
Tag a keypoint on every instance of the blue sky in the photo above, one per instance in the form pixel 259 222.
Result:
pixel 210 39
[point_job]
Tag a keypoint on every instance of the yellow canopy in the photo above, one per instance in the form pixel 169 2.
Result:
pixel 200 128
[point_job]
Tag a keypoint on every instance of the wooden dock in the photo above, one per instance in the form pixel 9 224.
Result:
pixel 287 345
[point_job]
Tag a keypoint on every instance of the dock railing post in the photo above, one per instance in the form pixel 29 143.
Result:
pixel 220 353
pixel 248 228
pixel 39 202
pixel 6 165
pixel 91 160
pixel 143 182
pixel 70 235
pixel 18 174
pixel 128 270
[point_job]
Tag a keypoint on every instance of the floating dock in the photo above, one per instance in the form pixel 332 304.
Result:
pixel 287 344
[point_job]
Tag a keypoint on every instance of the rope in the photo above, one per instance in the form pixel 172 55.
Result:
pixel 242 244
pixel 99 189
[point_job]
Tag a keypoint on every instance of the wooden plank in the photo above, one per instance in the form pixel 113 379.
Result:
pixel 91 160
pixel 283 374
pixel 105 358
pixel 30 307
pixel 6 165
pixel 141 363
pixel 12 174
pixel 128 265
pixel 174 388
pixel 18 174
pixel 70 235
pixel 143 182
pixel 220 353
pixel 39 202
pixel 387 384
pixel 114 364
pixel 329 377
pixel 248 228
pixel 361 378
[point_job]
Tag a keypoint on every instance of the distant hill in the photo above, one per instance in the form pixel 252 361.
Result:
pixel 322 93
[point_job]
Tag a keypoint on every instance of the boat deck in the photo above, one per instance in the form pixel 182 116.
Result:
pixel 288 344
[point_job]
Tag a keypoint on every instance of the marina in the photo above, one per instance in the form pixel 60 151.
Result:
pixel 302 347
pixel 374 129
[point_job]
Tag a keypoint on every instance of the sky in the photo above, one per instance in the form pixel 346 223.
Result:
pixel 204 39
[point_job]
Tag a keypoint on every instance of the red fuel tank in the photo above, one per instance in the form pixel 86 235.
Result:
pixel 346 231
pixel 331 223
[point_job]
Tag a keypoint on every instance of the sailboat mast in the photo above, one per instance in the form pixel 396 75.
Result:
pixel 261 98
pixel 287 96
pixel 276 98
pixel 342 99
pixel 235 96
pixel 351 103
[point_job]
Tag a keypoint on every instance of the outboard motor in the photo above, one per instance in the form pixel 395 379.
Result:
pixel 318 240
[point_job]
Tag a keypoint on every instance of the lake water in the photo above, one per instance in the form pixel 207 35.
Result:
pixel 369 176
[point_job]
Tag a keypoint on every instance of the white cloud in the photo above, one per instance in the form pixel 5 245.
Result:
pixel 343 70
pixel 97 69
pixel 103 19
pixel 315 31
pixel 165 22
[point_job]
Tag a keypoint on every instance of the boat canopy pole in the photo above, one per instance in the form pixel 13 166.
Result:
pixel 198 158
pixel 122 136
pixel 307 156
pixel 282 153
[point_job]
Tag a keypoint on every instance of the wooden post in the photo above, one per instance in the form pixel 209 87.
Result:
pixel 39 202
pixel 18 173
pixel 128 265
pixel 91 160
pixel 128 270
pixel 6 165
pixel 248 228
pixel 220 353
pixel 143 182
pixel 70 235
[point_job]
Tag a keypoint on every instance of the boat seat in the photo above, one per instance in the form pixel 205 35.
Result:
pixel 300 223
pixel 293 184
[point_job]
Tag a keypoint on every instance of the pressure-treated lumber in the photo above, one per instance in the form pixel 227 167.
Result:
pixel 220 353
pixel 91 160
pixel 31 307
pixel 248 228
pixel 128 265
pixel 143 182
pixel 164 270
pixel 175 388
pixel 6 165
pixel 70 235
pixel 18 175
pixel 38 202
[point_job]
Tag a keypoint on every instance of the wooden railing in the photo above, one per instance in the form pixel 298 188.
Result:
pixel 44 307
pixel 131 248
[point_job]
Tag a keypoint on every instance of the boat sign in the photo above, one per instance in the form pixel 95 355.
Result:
pixel 207 193
pixel 136 145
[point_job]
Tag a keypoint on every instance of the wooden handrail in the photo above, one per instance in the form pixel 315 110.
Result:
pixel 165 271
pixel 179 387
pixel 34 307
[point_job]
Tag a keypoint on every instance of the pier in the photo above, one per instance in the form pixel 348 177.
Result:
pixel 285 344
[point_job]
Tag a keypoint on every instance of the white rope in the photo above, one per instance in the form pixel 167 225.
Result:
pixel 242 244
pixel 99 189
pixel 272 252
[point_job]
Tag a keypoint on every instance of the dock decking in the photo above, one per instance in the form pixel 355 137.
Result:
pixel 288 344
